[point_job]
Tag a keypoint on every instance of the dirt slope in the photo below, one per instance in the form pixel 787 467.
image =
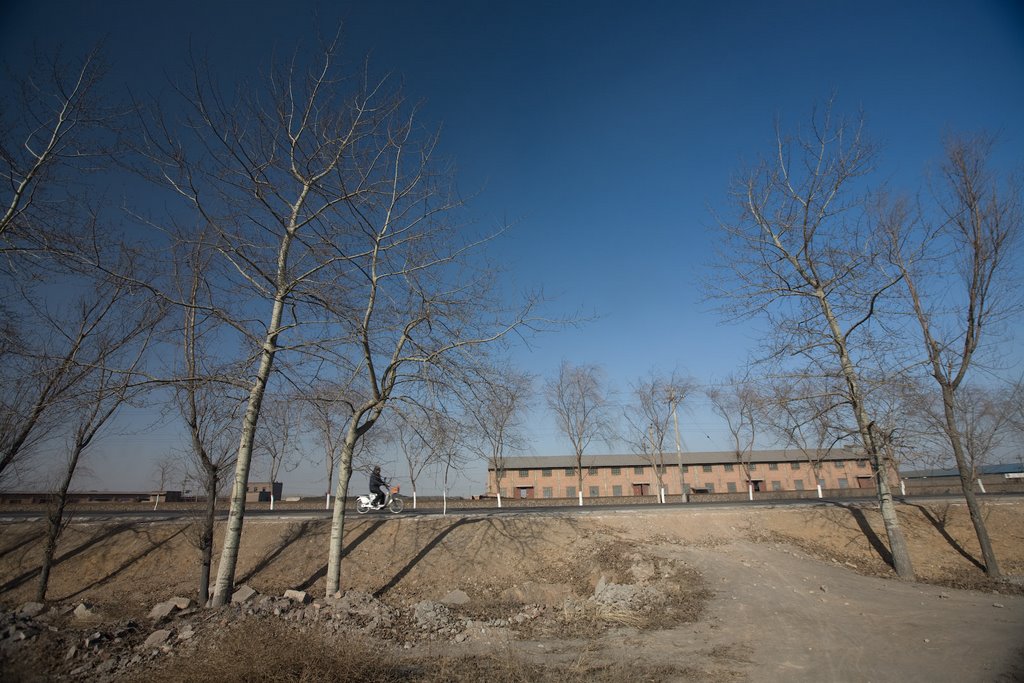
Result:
pixel 785 594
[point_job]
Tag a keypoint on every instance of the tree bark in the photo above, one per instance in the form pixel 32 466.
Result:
pixel 967 484
pixel 233 533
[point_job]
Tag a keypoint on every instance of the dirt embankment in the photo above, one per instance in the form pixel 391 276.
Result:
pixel 683 594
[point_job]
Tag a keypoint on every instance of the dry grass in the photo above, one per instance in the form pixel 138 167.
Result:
pixel 265 650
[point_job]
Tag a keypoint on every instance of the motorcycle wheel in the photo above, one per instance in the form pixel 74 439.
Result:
pixel 362 508
pixel 396 505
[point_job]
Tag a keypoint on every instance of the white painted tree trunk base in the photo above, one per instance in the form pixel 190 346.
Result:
pixel 819 491
pixel 581 498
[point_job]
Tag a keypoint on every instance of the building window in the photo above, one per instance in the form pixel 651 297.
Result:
pixel 616 470
pixel 794 465
pixel 595 491
pixel 773 465
pixel 863 464
pixel 569 471
pixel 616 490
pixel 707 468
pixel 798 484
pixel 843 484
pixel 728 468
pixel 840 464
pixel 731 486
pixel 686 468
pixel 570 491
pixel 591 470
pixel 638 469
pixel 548 492
pixel 546 472
pixel 710 487
pixel 753 466
pixel 776 486
pixel 821 483
pixel 523 474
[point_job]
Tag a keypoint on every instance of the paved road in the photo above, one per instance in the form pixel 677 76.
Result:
pixel 100 514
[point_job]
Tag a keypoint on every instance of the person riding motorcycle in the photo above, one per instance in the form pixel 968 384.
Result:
pixel 377 483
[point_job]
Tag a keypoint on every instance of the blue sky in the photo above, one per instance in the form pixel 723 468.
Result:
pixel 606 133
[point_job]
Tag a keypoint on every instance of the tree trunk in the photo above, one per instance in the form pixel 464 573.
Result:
pixel 967 484
pixel 338 517
pixel 54 525
pixel 206 539
pixel 233 533
pixel 897 543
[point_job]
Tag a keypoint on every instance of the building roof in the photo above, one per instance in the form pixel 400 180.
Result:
pixel 689 458
pixel 1008 468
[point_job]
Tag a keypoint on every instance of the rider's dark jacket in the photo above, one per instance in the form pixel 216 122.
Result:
pixel 376 482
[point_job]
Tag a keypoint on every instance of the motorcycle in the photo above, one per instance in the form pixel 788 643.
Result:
pixel 392 501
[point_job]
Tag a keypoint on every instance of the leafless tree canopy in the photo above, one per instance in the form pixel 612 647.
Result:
pixel 579 399
pixel 801 253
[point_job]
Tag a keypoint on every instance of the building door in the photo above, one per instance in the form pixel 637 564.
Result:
pixel 758 484
pixel 641 489
pixel 524 491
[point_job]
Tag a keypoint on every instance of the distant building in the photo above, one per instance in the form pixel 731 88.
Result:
pixel 259 492
pixel 711 472
pixel 1008 476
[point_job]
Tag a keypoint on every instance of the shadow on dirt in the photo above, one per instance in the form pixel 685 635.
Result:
pixel 940 525
pixel 27 540
pixel 153 546
pixel 322 571
pixel 401 574
pixel 876 542
pixel 103 535
pixel 293 532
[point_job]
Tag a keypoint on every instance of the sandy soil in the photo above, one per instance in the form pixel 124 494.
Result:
pixel 785 594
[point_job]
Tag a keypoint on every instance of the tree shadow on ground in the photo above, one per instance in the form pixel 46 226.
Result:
pixel 322 571
pixel 940 526
pixel 401 574
pixel 877 544
pixel 29 539
pixel 292 534
pixel 99 537
pixel 153 546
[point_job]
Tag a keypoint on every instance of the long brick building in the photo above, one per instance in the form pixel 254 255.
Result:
pixel 710 472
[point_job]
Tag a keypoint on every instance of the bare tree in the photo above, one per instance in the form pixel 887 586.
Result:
pixel 207 396
pixel 52 126
pixel 739 403
pixel 112 329
pixel 651 417
pixel 495 411
pixel 977 236
pixel 53 131
pixel 327 415
pixel 276 438
pixel 163 470
pixel 273 175
pixel 578 397
pixel 797 254
pixel 803 412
